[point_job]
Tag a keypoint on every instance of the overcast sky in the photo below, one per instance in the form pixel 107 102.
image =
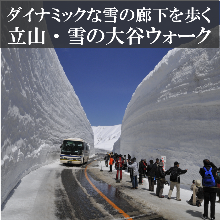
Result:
pixel 105 79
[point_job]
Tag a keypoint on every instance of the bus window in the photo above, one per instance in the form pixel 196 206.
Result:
pixel 72 147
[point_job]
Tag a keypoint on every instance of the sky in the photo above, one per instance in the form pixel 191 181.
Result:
pixel 104 79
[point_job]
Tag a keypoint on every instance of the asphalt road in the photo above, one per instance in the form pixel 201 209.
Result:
pixel 77 198
pixel 73 192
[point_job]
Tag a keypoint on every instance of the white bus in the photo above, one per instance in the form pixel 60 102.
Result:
pixel 74 151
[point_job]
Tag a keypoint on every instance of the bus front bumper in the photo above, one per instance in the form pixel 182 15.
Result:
pixel 71 161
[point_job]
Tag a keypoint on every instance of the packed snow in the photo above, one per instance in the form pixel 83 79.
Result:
pixel 39 109
pixel 106 136
pixel 175 112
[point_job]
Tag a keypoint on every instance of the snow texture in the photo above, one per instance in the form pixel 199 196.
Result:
pixel 39 110
pixel 106 136
pixel 175 112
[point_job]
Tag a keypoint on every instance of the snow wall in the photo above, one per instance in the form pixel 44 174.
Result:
pixel 175 112
pixel 116 146
pixel 39 110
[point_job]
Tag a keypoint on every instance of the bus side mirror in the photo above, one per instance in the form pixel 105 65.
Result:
pixel 61 146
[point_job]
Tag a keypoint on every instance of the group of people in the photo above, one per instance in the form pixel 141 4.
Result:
pixel 118 160
pixel 202 191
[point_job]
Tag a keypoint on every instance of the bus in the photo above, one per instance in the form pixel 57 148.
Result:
pixel 74 151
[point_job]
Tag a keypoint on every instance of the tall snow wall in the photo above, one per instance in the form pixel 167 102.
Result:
pixel 39 110
pixel 175 112
pixel 116 146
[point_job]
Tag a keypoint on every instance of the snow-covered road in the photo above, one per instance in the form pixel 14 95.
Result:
pixel 34 196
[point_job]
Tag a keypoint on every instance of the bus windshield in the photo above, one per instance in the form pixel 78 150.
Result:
pixel 72 147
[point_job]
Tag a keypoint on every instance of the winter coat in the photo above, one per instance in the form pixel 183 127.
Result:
pixel 141 167
pixel 106 158
pixel 134 167
pixel 202 173
pixel 119 163
pixel 111 161
pixel 161 173
pixel 195 188
pixel 218 180
pixel 149 168
pixel 179 172
pixel 154 170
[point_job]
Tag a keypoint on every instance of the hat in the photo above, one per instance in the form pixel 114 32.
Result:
pixel 176 163
pixel 157 159
pixel 198 183
pixel 161 164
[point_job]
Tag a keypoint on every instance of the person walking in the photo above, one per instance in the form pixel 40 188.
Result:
pixel 110 163
pixel 119 165
pixel 134 167
pixel 175 173
pixel 150 176
pixel 160 181
pixel 208 173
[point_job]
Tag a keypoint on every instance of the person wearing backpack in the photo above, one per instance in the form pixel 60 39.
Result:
pixel 175 173
pixel 208 173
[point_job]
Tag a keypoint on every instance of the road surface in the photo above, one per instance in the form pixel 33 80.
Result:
pixel 71 192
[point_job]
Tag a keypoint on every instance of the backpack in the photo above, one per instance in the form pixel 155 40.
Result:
pixel 208 179
pixel 200 193
pixel 174 174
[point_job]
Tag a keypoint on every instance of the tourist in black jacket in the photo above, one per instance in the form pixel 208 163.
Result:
pixel 142 168
pixel 153 173
pixel 175 179
pixel 209 191
pixel 160 181
pixel 150 176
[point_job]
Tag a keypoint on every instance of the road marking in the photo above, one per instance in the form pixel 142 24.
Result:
pixel 92 200
pixel 106 198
